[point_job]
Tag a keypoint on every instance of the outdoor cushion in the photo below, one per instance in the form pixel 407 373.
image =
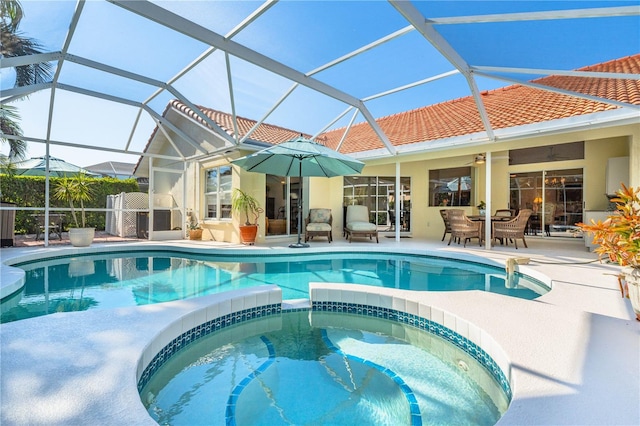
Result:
pixel 361 226
pixel 357 214
pixel 319 216
pixel 318 227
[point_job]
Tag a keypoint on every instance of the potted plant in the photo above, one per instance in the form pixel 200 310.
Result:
pixel 243 203
pixel 195 231
pixel 481 208
pixel 76 189
pixel 618 238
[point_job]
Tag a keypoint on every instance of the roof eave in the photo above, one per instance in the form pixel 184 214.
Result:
pixel 605 119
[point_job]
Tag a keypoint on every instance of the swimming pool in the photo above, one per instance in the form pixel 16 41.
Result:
pixel 112 280
pixel 304 367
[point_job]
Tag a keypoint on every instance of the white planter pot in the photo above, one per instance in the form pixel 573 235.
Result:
pixel 632 278
pixel 81 268
pixel 81 237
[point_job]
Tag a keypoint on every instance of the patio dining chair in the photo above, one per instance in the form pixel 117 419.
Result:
pixel 512 230
pixel 445 213
pixel 464 229
pixel 318 223
pixel 358 224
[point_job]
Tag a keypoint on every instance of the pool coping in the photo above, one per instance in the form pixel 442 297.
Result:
pixel 558 377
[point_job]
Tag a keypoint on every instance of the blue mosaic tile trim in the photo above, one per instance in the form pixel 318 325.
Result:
pixel 416 416
pixel 203 330
pixel 295 309
pixel 235 393
pixel 423 324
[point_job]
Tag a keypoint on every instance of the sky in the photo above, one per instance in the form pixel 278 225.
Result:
pixel 303 35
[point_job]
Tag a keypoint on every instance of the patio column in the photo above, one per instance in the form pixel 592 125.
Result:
pixel 397 205
pixel 634 158
pixel 487 195
pixel 47 194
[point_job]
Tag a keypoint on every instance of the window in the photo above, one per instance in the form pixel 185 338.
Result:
pixel 218 192
pixel 544 154
pixel 450 187
pixel 379 194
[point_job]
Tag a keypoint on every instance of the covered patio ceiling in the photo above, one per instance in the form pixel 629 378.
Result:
pixel 307 66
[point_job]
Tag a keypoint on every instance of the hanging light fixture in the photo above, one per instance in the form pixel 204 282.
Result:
pixel 480 159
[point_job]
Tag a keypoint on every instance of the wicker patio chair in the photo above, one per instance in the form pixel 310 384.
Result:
pixel 513 229
pixel 464 229
pixel 445 213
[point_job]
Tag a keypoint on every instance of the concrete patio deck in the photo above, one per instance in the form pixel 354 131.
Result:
pixel 575 352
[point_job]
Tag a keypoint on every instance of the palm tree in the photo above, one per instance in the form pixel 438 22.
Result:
pixel 13 44
pixel 77 188
pixel 9 119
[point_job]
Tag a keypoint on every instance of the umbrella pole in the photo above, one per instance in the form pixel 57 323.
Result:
pixel 299 244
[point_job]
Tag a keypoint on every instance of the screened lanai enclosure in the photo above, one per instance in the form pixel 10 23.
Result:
pixel 309 67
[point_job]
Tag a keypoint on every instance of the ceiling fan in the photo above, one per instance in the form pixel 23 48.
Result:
pixel 554 156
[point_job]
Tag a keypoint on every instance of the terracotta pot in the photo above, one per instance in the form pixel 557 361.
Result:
pixel 632 280
pixel 195 234
pixel 248 234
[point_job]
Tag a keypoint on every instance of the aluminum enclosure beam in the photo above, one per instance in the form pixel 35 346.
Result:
pixel 603 12
pixel 415 18
pixel 591 74
pixel 177 23
pixel 562 91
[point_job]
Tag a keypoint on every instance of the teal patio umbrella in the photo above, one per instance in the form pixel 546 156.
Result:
pixel 57 168
pixel 300 157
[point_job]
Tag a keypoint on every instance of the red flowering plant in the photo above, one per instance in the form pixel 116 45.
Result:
pixel 618 237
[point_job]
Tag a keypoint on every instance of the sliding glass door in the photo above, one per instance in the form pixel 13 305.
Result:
pixel 380 195
pixel 555 196
pixel 281 210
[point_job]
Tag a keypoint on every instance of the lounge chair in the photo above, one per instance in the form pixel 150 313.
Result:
pixel 358 223
pixel 513 229
pixel 318 224
pixel 464 229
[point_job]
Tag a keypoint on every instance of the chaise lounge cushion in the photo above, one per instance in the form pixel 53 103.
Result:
pixel 358 223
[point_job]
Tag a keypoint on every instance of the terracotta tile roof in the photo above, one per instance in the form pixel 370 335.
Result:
pixel 510 106
pixel 264 133
pixel 506 107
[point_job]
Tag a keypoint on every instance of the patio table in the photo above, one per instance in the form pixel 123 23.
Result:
pixel 55 224
pixel 477 218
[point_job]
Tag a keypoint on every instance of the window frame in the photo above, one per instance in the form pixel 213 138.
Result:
pixel 435 198
pixel 220 193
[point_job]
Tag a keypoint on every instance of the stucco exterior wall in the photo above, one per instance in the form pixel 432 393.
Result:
pixel 600 144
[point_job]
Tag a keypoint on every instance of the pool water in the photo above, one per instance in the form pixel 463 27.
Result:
pixel 140 278
pixel 323 368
